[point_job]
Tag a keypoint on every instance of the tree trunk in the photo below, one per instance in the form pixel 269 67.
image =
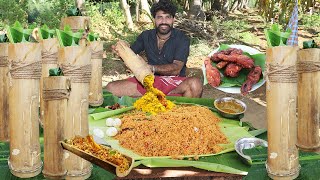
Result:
pixel 137 10
pixel 196 11
pixel 235 5
pixel 221 5
pixel 216 5
pixel 126 9
pixel 145 15
pixel 225 7
pixel 244 4
pixel 186 5
pixel 80 5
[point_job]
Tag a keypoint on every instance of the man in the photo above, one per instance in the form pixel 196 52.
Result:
pixel 167 50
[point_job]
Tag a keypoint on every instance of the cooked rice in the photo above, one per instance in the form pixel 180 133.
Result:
pixel 185 130
pixel 88 145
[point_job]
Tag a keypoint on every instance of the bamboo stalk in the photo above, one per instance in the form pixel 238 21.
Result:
pixel 134 62
pixel 25 72
pixel 49 61
pixel 75 64
pixel 4 92
pixel 308 99
pixel 95 92
pixel 281 93
pixel 55 95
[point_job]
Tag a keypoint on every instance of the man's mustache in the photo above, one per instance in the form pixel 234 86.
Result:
pixel 164 25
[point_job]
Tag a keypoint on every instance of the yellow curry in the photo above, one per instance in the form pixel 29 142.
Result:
pixel 231 107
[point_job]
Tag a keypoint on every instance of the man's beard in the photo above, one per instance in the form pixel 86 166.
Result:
pixel 164 31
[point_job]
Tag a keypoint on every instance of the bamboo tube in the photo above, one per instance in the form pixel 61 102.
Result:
pixel 24 75
pixel 95 92
pixel 55 95
pixel 281 93
pixel 134 62
pixel 75 62
pixel 76 22
pixel 308 99
pixel 49 61
pixel 4 92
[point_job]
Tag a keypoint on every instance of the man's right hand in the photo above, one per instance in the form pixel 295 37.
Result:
pixel 119 44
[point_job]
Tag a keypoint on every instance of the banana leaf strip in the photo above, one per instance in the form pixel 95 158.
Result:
pixel 103 115
pixel 210 166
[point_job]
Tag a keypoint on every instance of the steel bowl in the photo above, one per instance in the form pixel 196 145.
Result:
pixel 223 113
pixel 248 143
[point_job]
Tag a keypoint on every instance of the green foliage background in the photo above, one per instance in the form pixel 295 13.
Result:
pixel 107 17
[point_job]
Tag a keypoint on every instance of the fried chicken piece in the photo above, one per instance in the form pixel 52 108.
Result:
pixel 252 78
pixel 222 64
pixel 236 51
pixel 212 73
pixel 115 106
pixel 242 60
pixel 215 58
pixel 230 51
pixel 232 70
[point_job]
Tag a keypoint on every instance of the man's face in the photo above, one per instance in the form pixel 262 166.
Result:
pixel 163 22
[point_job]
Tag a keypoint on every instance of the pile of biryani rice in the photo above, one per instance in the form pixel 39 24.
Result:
pixel 184 130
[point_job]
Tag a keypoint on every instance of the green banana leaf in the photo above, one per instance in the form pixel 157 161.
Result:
pixel 92 36
pixel 46 32
pixel 73 11
pixel 17 34
pixel 231 130
pixel 309 44
pixel 310 163
pixel 276 37
pixel 3 38
pixel 68 38
pixel 55 72
pixel 210 166
pixel 103 115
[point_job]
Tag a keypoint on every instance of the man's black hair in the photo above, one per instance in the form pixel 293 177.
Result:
pixel 164 5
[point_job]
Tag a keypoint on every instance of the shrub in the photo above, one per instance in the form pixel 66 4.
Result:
pixel 311 21
pixel 11 11
pixel 48 11
pixel 106 18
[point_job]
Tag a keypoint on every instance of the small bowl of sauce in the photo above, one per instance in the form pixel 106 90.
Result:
pixel 229 107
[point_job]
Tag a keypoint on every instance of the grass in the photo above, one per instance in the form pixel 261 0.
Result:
pixel 249 38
